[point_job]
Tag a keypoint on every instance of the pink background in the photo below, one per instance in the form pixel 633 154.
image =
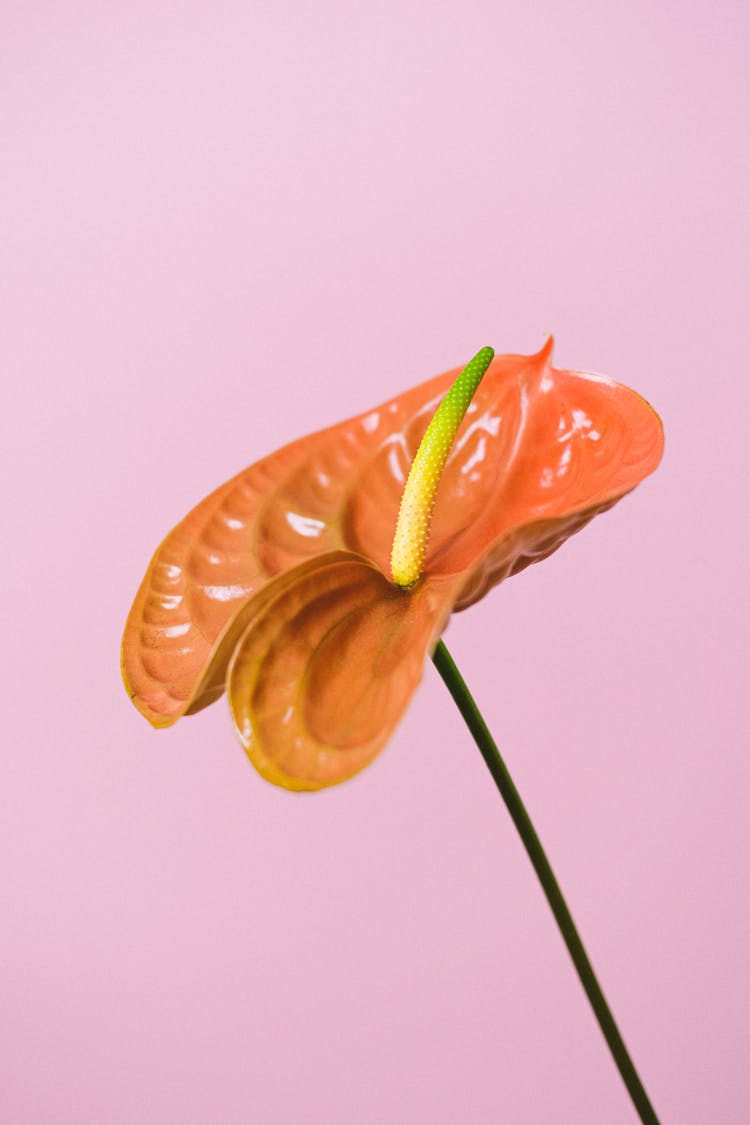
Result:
pixel 227 224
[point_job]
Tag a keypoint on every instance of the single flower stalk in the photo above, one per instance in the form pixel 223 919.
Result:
pixel 276 585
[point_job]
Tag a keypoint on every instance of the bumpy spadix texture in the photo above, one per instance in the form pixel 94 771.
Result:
pixel 415 513
pixel 284 571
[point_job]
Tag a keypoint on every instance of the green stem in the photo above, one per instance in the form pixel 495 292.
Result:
pixel 489 751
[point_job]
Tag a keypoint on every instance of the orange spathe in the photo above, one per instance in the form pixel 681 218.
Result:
pixel 282 570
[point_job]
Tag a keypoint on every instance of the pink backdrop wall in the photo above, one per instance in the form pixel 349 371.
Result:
pixel 227 224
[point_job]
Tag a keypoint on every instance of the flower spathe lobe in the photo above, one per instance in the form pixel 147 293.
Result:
pixel 539 453
pixel 323 674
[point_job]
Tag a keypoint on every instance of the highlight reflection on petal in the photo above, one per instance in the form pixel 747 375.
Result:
pixel 327 666
pixel 582 443
pixel 281 511
pixel 539 453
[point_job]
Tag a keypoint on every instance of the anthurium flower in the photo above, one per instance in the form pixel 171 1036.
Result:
pixel 278 586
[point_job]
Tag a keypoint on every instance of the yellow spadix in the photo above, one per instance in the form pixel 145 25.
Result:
pixel 413 526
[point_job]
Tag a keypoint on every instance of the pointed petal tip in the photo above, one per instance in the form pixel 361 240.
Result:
pixel 545 352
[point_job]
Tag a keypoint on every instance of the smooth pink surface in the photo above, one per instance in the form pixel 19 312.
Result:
pixel 224 226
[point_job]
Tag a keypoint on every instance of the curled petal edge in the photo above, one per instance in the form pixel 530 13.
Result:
pixel 327 665
pixel 192 605
pixel 213 680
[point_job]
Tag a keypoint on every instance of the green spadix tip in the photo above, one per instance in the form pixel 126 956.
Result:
pixel 413 527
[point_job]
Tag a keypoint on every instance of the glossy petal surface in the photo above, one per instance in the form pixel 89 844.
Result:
pixel 326 667
pixel 539 453
pixel 287 508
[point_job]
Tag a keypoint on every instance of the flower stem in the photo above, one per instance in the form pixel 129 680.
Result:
pixel 489 751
